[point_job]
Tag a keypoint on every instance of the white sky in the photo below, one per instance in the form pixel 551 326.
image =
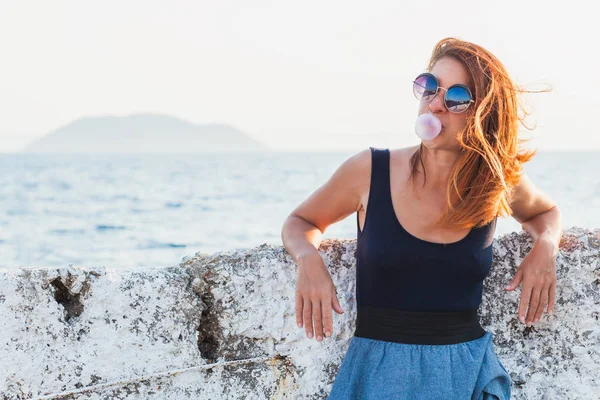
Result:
pixel 294 74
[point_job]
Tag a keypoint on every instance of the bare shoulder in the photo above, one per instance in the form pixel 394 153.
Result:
pixel 360 159
pixel 399 159
pixel 358 170
pixel 340 195
pixel 354 174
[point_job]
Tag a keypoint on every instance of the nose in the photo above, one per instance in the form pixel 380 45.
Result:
pixel 436 105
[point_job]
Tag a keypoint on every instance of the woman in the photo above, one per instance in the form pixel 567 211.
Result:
pixel 426 217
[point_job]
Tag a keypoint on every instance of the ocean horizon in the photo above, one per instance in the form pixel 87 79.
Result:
pixel 153 210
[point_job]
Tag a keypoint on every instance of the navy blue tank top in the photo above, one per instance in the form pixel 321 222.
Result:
pixel 395 269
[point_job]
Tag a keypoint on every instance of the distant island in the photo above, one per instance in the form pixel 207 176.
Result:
pixel 143 133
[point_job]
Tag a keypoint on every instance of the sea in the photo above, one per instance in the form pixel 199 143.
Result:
pixel 152 210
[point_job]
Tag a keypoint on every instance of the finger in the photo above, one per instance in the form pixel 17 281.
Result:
pixel 327 317
pixel 525 296
pixel 318 319
pixel 534 301
pixel 552 298
pixel 336 305
pixel 542 305
pixel 307 314
pixel 299 304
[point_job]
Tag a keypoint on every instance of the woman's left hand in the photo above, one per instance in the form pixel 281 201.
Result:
pixel 538 274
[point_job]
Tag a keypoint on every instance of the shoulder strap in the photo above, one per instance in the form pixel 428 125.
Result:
pixel 380 175
pixel 378 206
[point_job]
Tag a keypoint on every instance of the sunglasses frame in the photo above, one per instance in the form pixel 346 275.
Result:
pixel 438 89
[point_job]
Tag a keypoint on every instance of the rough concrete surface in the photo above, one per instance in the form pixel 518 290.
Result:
pixel 223 326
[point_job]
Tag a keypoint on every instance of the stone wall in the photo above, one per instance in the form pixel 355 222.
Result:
pixel 223 326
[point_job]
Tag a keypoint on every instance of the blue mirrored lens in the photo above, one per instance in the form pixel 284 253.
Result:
pixel 457 99
pixel 424 87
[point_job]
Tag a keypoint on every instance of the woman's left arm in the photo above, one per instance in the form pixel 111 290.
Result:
pixel 542 219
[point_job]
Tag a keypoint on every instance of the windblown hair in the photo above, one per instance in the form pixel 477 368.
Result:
pixel 491 162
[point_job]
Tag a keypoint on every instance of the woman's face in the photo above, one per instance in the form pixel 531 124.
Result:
pixel 448 72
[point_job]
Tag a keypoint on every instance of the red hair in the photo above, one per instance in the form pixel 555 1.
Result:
pixel 491 163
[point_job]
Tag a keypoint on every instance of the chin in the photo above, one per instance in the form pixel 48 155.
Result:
pixel 433 143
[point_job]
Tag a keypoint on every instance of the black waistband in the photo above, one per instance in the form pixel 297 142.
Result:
pixel 418 327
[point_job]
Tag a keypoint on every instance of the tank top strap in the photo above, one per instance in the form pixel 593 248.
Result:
pixel 379 205
pixel 380 174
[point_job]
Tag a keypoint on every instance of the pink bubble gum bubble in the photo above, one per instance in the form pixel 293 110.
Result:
pixel 427 126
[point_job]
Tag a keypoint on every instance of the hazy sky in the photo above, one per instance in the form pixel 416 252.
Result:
pixel 294 74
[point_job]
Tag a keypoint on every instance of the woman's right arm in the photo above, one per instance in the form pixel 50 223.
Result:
pixel 302 233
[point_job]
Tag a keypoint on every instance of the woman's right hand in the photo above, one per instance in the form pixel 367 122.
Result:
pixel 315 297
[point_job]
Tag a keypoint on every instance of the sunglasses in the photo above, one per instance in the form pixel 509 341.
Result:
pixel 456 99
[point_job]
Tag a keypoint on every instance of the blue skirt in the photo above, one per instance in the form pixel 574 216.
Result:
pixel 380 369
